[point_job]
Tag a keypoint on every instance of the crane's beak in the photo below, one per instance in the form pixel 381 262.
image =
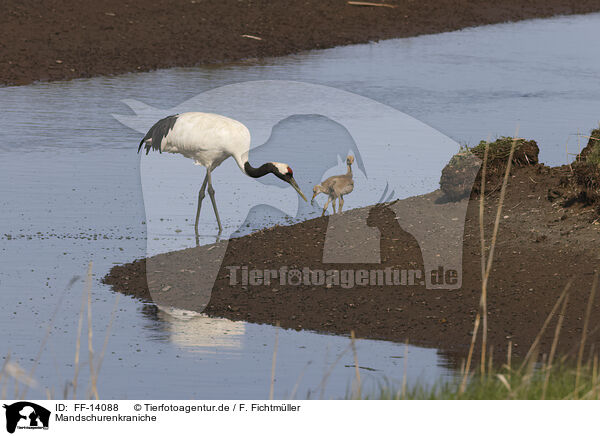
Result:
pixel 312 200
pixel 297 188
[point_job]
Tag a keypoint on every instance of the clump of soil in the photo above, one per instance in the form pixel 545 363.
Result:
pixel 591 152
pixel 462 175
pixel 587 176
pixel 584 185
pixel 526 151
pixel 459 175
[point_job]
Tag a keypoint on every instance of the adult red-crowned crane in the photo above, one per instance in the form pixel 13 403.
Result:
pixel 209 139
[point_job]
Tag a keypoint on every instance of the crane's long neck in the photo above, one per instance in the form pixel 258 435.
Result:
pixel 349 172
pixel 249 170
pixel 258 172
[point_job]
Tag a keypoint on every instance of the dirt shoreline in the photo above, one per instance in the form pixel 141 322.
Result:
pixel 67 39
pixel 546 239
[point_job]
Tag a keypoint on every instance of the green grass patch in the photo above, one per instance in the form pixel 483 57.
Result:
pixel 556 383
pixel 593 157
pixel 526 151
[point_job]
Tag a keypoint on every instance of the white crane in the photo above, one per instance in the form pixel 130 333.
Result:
pixel 209 139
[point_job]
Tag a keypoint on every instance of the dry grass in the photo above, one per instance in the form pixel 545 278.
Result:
pixel 274 363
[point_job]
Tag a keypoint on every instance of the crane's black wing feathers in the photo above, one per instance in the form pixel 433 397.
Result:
pixel 157 132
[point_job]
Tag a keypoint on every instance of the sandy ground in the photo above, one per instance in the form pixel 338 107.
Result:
pixel 66 39
pixel 542 245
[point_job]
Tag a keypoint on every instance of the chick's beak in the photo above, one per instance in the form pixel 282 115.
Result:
pixel 297 188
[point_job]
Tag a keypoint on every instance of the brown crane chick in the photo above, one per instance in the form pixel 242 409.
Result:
pixel 336 187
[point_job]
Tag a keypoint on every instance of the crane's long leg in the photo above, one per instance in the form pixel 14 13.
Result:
pixel 341 203
pixel 211 192
pixel 200 198
pixel 325 207
pixel 333 204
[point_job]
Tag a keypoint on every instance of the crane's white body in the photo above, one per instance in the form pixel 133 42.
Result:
pixel 208 139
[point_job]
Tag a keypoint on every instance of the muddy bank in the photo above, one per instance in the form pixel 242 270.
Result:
pixel 548 236
pixel 69 39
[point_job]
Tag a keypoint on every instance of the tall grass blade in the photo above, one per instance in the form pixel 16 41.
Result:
pixel 588 312
pixel 274 363
pixel 93 389
pixel 356 368
pixel 561 317
pixel 79 330
pixel 537 339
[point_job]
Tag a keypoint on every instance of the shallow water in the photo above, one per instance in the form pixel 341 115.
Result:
pixel 70 194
